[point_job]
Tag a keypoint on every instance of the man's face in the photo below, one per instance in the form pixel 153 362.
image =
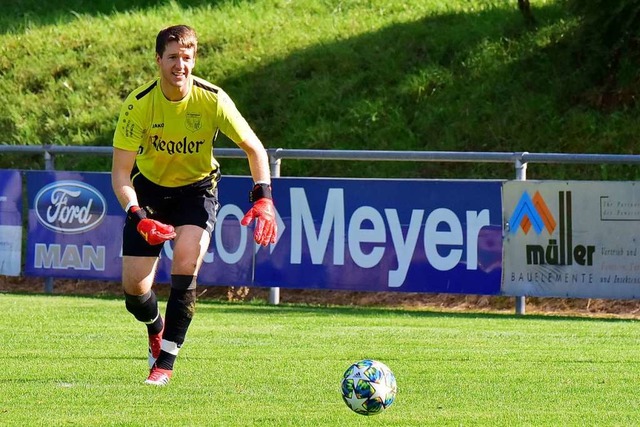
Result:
pixel 176 64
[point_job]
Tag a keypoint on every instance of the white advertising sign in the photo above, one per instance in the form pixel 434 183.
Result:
pixel 576 239
pixel 10 222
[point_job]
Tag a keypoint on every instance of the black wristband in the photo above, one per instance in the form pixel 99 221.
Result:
pixel 136 214
pixel 260 191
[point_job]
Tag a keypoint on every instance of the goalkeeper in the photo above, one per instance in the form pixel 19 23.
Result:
pixel 165 177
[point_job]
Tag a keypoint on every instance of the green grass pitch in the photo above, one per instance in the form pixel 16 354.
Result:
pixel 82 361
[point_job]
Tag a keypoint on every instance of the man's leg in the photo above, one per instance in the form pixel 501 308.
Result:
pixel 140 300
pixel 180 309
pixel 191 243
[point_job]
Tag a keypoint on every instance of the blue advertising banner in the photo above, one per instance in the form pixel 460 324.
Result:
pixel 10 222
pixel 75 225
pixel 348 234
pixel 75 231
pixel 386 235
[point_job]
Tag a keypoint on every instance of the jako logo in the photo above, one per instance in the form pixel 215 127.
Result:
pixel 70 207
pixel 534 212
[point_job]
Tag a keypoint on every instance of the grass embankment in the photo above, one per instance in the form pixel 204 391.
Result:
pixel 383 75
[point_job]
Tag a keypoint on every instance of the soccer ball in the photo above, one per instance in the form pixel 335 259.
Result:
pixel 368 387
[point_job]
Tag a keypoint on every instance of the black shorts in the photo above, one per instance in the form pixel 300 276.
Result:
pixel 194 204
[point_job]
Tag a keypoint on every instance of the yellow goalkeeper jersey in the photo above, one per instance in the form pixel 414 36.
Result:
pixel 174 140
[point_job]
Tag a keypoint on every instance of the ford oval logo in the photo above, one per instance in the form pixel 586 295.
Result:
pixel 70 207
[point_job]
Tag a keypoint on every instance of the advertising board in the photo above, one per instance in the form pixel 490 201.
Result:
pixel 572 239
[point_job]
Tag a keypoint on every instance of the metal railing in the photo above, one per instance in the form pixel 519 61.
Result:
pixel 278 154
pixel 520 160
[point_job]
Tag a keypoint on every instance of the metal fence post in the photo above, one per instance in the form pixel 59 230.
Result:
pixel 521 175
pixel 274 165
pixel 48 160
pixel 48 165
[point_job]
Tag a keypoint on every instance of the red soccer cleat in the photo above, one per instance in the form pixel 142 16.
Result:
pixel 159 377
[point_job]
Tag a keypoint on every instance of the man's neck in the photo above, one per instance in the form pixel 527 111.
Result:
pixel 173 93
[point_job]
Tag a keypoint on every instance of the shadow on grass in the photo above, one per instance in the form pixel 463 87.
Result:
pixel 409 86
pixel 18 15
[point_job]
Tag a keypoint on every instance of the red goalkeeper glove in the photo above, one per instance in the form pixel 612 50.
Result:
pixel 264 213
pixel 154 232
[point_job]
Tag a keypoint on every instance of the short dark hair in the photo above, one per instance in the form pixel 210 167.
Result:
pixel 183 34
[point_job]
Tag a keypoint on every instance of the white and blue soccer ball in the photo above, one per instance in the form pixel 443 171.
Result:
pixel 368 387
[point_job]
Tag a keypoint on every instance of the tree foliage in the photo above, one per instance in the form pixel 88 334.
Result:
pixel 609 35
pixel 611 23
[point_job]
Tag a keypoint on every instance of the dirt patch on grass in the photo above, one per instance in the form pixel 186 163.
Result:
pixel 445 302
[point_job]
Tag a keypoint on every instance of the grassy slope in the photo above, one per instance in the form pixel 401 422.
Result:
pixel 384 75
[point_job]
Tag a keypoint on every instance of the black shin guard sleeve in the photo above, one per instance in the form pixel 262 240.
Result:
pixel 180 308
pixel 143 307
pixel 183 281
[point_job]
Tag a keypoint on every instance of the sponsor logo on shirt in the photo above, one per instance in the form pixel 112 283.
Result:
pixel 182 146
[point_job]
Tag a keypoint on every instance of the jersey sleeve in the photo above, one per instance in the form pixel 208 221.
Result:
pixel 130 132
pixel 231 122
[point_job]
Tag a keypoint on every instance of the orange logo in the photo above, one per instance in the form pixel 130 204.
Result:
pixel 532 212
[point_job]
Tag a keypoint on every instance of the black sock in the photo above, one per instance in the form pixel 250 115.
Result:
pixel 155 327
pixel 180 310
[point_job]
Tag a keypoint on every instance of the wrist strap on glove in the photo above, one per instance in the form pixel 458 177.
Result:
pixel 136 214
pixel 260 191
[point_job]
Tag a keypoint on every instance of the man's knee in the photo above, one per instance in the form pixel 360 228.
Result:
pixel 143 307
